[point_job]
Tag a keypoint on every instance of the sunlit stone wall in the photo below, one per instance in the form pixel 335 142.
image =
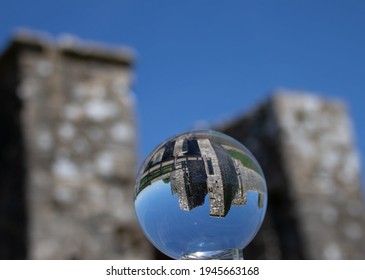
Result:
pixel 80 142
pixel 306 148
pixel 68 159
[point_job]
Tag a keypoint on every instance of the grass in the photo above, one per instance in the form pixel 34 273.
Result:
pixel 245 160
pixel 153 175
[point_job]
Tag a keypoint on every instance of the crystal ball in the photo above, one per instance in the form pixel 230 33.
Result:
pixel 201 195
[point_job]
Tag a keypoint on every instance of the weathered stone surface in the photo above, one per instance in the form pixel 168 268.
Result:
pixel 77 117
pixel 305 146
pixel 68 159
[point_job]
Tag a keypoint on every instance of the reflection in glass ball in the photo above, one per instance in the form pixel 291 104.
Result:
pixel 200 195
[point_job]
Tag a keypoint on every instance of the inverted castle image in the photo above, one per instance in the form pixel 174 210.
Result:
pixel 196 167
pixel 68 156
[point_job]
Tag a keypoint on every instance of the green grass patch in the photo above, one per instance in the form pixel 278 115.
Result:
pixel 245 160
pixel 154 174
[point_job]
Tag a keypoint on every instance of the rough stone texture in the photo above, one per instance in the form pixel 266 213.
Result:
pixel 73 104
pixel 306 148
pixel 67 162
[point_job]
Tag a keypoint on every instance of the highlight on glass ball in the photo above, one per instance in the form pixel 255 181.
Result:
pixel 200 195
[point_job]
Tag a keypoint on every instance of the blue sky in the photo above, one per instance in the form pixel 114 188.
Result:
pixel 221 57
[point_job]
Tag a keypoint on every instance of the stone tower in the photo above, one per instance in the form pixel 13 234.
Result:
pixel 68 159
pixel 305 146
pixel 68 151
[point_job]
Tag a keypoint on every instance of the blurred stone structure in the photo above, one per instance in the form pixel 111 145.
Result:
pixel 68 159
pixel 68 151
pixel 306 149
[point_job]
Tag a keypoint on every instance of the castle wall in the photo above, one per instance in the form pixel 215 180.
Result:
pixel 306 148
pixel 79 136
pixel 68 159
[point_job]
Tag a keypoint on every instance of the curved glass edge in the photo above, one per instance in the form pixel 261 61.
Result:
pixel 230 254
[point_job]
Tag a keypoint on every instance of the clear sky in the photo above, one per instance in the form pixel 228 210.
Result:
pixel 213 59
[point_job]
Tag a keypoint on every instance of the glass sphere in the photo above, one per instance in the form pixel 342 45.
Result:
pixel 200 195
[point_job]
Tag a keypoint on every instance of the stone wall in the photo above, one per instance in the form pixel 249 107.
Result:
pixel 68 159
pixel 306 148
pixel 77 117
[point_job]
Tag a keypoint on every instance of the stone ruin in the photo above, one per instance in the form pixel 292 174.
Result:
pixel 306 148
pixel 68 158
pixel 68 151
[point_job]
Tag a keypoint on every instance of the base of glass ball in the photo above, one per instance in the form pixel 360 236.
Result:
pixel 230 254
